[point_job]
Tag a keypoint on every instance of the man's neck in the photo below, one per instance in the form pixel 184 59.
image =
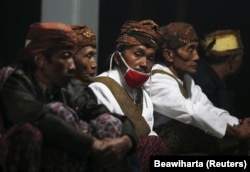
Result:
pixel 42 81
pixel 176 72
pixel 221 70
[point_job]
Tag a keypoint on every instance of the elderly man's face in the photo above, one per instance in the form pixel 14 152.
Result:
pixel 186 59
pixel 58 70
pixel 85 61
pixel 139 58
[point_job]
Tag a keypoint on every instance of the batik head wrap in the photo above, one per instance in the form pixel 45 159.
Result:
pixel 177 34
pixel 49 36
pixel 85 36
pixel 145 32
pixel 223 43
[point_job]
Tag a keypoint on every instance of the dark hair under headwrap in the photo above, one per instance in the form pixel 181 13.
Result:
pixel 177 34
pixel 49 36
pixel 145 32
pixel 85 36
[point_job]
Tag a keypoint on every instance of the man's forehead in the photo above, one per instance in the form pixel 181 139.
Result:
pixel 141 48
pixel 64 51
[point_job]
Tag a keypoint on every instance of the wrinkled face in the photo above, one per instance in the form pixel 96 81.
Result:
pixel 58 70
pixel 234 66
pixel 237 63
pixel 137 57
pixel 185 59
pixel 85 61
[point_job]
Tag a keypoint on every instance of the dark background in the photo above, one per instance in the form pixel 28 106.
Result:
pixel 205 15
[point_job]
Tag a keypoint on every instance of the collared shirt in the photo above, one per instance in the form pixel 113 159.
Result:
pixel 196 110
pixel 105 96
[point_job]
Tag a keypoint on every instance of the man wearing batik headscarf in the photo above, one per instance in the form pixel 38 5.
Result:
pixel 218 67
pixel 183 112
pixel 85 57
pixel 35 93
pixel 120 88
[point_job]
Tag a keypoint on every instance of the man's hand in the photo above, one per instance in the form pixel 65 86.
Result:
pixel 241 131
pixel 245 121
pixel 110 153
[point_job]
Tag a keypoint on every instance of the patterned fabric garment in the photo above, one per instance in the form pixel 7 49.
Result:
pixel 4 74
pixel 104 126
pixel 182 139
pixel 149 146
pixel 20 146
pixel 20 149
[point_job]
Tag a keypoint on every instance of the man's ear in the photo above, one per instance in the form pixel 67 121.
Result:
pixel 117 58
pixel 234 62
pixel 39 60
pixel 168 55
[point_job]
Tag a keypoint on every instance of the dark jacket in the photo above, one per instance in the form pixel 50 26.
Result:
pixel 22 100
pixel 216 90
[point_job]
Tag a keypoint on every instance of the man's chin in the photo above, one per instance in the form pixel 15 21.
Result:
pixel 193 71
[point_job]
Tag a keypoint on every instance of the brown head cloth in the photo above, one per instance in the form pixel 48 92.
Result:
pixel 49 36
pixel 145 32
pixel 177 34
pixel 223 43
pixel 85 36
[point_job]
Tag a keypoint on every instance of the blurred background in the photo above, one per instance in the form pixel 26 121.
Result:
pixel 206 16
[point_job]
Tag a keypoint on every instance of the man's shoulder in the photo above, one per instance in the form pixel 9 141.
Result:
pixel 20 76
pixel 76 82
pixel 158 66
pixel 75 86
pixel 5 72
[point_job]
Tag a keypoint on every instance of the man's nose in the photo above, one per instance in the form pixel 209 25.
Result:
pixel 196 55
pixel 143 61
pixel 72 64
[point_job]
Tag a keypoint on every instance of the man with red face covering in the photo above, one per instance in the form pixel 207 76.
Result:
pixel 85 57
pixel 182 111
pixel 120 88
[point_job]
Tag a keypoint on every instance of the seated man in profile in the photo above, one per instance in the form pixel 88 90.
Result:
pixel 86 51
pixel 184 116
pixel 38 94
pixel 219 66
